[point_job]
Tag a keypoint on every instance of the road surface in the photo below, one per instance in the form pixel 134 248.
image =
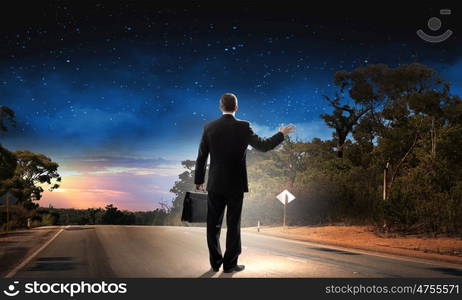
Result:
pixel 151 251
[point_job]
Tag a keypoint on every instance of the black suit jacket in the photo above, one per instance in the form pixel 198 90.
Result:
pixel 226 139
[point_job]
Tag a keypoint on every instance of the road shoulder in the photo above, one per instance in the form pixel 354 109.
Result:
pixel 442 249
pixel 16 246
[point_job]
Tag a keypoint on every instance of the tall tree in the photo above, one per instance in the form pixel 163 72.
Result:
pixel 360 92
pixel 343 124
pixel 7 165
pixel 7 158
pixel 417 98
pixel 33 171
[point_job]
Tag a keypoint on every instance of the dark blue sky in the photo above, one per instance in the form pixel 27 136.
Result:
pixel 129 87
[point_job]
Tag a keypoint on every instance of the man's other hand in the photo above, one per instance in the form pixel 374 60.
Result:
pixel 285 130
pixel 200 187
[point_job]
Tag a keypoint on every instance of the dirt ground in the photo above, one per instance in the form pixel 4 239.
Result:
pixel 363 237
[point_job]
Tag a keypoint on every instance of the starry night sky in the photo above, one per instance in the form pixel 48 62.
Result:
pixel 118 93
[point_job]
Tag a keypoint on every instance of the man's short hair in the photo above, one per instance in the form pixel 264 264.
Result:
pixel 228 102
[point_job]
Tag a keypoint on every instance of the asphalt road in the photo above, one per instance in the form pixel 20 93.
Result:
pixel 138 251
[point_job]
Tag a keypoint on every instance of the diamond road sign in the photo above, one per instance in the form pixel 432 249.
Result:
pixel 282 196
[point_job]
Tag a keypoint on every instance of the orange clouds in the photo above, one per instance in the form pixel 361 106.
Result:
pixel 128 183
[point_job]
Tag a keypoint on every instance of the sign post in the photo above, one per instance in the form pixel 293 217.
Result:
pixel 7 212
pixel 385 181
pixel 285 197
pixel 7 198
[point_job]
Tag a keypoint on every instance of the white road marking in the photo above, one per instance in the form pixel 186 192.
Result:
pixel 296 259
pixel 30 257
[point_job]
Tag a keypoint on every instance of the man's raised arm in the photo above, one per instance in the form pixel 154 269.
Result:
pixel 264 145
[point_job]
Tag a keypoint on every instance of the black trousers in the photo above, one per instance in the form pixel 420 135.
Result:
pixel 216 204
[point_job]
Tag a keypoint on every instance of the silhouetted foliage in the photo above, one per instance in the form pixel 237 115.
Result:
pixel 7 158
pixel 110 215
pixel 7 164
pixel 7 115
pixel 32 172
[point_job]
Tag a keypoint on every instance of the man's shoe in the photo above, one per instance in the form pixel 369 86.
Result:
pixel 237 268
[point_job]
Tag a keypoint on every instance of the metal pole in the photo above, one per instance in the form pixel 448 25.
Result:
pixel 258 226
pixel 285 210
pixel 385 185
pixel 7 213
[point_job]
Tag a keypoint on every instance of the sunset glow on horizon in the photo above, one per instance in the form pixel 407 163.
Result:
pixel 135 184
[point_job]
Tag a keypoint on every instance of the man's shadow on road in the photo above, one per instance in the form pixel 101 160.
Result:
pixel 210 274
pixel 226 275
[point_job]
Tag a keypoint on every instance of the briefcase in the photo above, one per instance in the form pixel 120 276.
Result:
pixel 194 207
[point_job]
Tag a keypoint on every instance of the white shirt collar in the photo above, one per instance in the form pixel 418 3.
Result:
pixel 229 113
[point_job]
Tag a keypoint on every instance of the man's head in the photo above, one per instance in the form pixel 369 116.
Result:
pixel 228 103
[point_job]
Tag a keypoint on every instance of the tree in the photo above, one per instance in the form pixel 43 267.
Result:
pixel 7 165
pixel 6 115
pixel 7 158
pixel 32 172
pixel 394 107
pixel 112 215
pixel 343 124
pixel 364 88
pixel 417 98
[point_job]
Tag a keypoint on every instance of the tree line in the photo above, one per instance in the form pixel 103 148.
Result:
pixel 109 215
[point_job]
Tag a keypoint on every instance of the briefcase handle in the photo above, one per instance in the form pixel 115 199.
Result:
pixel 198 191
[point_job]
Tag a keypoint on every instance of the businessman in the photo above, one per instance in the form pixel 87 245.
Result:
pixel 226 140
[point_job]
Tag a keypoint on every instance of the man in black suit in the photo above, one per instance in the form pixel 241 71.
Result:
pixel 226 140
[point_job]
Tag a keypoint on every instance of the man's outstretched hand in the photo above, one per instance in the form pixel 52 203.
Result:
pixel 285 130
pixel 200 187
